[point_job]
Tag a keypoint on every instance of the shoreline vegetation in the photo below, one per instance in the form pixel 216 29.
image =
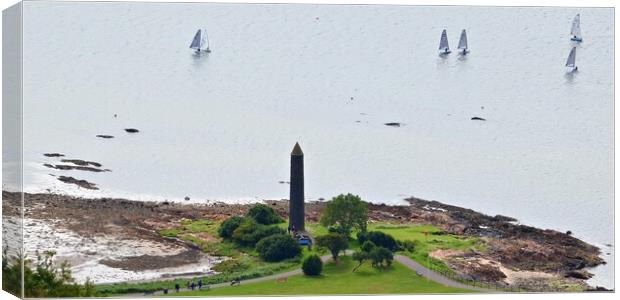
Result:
pixel 460 243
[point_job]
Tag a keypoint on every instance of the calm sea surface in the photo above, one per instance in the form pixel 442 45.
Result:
pixel 221 127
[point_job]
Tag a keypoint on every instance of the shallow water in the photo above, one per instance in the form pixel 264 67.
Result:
pixel 221 127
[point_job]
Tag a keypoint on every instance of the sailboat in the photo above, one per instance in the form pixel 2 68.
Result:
pixel 443 43
pixel 570 62
pixel 575 30
pixel 201 39
pixel 463 43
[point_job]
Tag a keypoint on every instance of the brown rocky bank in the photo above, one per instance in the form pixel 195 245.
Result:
pixel 515 254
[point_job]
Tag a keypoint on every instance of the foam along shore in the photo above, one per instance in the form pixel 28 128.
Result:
pixel 108 258
pixel 113 240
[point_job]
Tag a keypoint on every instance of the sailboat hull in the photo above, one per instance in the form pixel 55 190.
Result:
pixel 571 69
pixel 444 51
pixel 576 39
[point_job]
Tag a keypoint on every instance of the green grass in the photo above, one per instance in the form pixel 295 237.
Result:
pixel 338 279
pixel 246 264
pixel 425 244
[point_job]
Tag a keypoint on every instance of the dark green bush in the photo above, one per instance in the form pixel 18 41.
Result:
pixel 278 247
pixel 368 246
pixel 379 238
pixel 227 227
pixel 45 279
pixel 406 245
pixel 379 255
pixel 264 214
pixel 250 232
pixel 334 242
pixel 312 265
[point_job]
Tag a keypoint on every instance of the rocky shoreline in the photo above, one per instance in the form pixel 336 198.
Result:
pixel 516 255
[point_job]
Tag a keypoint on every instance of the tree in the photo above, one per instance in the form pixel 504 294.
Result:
pixel 278 247
pixel 312 265
pixel 379 255
pixel 347 212
pixel 46 279
pixel 368 246
pixel 360 257
pixel 227 227
pixel 264 214
pixel 334 242
pixel 363 255
pixel 378 238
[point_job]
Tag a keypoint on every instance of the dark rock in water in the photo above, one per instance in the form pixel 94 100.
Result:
pixel 574 263
pixel 81 162
pixel 132 130
pixel 569 232
pixel 393 124
pixel 478 119
pixel 79 168
pixel 599 289
pixel 501 218
pixel 578 274
pixel 54 155
pixel 104 136
pixel 79 182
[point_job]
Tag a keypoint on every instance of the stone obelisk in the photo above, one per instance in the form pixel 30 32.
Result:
pixel 296 196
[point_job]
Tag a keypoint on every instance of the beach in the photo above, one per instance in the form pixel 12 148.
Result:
pixel 116 240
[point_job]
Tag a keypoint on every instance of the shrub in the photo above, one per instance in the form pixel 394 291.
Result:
pixel 227 227
pixel 406 245
pixel 379 255
pixel 360 257
pixel 379 238
pixel 334 242
pixel 278 247
pixel 368 246
pixel 312 265
pixel 264 214
pixel 45 279
pixel 250 232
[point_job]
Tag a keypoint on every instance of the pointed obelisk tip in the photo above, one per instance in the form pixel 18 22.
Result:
pixel 297 150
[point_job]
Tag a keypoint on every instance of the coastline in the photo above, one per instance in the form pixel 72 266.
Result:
pixel 515 255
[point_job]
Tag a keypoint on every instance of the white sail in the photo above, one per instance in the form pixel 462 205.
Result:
pixel 575 30
pixel 443 42
pixel 570 62
pixel 197 42
pixel 463 41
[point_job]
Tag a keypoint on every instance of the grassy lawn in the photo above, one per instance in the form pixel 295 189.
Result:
pixel 427 243
pixel 245 262
pixel 338 279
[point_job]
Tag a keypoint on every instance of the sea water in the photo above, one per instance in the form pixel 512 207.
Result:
pixel 221 126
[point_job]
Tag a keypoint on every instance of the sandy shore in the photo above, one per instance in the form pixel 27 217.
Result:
pixel 112 240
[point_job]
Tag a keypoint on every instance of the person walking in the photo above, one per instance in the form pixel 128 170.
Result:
pixel 200 284
pixel 177 287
